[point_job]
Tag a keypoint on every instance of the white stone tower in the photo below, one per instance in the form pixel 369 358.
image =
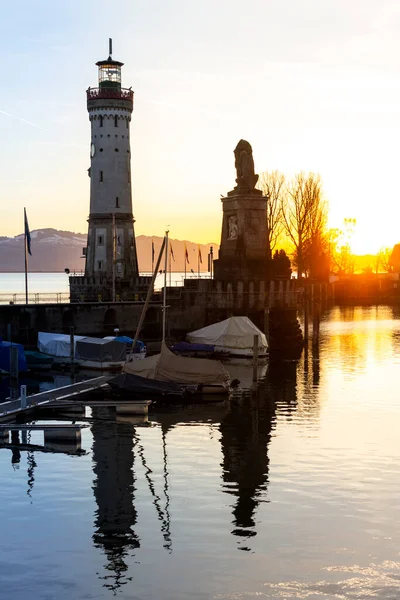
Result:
pixel 111 260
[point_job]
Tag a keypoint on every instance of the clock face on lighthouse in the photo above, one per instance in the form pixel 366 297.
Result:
pixel 92 150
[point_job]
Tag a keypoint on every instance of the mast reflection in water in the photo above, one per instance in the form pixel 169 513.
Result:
pixel 114 488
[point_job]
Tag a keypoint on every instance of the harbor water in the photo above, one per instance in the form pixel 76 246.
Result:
pixel 288 494
pixel 54 287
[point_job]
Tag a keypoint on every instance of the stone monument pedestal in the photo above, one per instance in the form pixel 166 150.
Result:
pixel 244 238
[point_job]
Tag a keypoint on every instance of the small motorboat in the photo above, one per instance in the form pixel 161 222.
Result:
pixel 38 361
pixel 231 337
pixel 89 352
pixel 5 357
pixel 136 353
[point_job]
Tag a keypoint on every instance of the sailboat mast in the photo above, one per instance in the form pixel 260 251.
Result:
pixel 164 322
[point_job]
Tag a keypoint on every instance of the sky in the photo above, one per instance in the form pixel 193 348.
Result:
pixel 313 85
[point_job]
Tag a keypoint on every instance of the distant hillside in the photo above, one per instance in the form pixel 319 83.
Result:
pixel 54 250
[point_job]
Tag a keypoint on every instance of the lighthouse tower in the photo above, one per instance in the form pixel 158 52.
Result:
pixel 111 268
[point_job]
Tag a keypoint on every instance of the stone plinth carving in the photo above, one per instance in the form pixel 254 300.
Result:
pixel 232 227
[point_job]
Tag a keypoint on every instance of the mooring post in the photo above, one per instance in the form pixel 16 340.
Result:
pixel 316 319
pixel 72 345
pixel 255 360
pixel 14 372
pixel 306 316
pixel 23 397
pixel 266 323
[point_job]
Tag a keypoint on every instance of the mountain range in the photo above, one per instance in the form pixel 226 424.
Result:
pixel 54 250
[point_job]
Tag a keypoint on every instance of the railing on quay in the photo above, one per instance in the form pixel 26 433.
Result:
pixel 35 298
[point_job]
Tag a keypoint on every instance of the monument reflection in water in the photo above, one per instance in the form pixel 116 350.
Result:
pixel 245 435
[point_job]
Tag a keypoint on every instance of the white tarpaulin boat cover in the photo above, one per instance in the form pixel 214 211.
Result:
pixel 233 334
pixel 166 366
pixel 86 348
pixel 56 344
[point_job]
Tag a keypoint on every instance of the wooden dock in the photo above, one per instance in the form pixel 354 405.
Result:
pixel 12 408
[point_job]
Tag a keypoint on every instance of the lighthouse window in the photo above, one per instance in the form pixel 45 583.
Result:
pixel 100 240
pixel 101 176
pixel 117 202
pixel 101 121
pixel 100 264
pixel 119 240
pixel 101 149
pixel 116 150
pixel 115 121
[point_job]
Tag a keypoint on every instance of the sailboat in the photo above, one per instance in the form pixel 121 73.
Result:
pixel 165 374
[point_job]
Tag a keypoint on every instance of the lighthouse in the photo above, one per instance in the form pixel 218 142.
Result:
pixel 111 266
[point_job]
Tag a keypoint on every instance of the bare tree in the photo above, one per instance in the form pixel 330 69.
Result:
pixel 384 260
pixel 341 255
pixel 304 216
pixel 271 183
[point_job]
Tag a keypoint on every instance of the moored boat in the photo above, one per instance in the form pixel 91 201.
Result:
pixel 232 337
pixel 197 375
pixel 88 353
pixel 5 357
pixel 138 352
pixel 139 387
pixel 38 361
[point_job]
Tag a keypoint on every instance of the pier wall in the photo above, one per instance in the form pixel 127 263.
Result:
pixel 200 302
pixel 21 323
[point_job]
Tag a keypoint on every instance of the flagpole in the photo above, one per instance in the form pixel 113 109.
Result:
pixel 184 257
pixel 26 269
pixel 198 261
pixel 170 266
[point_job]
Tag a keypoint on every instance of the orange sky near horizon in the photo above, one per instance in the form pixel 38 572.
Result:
pixel 312 85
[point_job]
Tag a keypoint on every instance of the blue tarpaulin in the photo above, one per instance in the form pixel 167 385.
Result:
pixel 139 346
pixel 5 357
pixel 187 347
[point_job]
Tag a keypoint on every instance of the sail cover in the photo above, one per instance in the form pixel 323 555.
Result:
pixel 166 366
pixel 233 334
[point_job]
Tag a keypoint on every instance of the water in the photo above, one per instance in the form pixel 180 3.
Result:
pixel 288 495
pixel 46 286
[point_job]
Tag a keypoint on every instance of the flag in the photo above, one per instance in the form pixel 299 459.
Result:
pixel 172 252
pixel 186 254
pixel 200 257
pixel 152 251
pixel 27 234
